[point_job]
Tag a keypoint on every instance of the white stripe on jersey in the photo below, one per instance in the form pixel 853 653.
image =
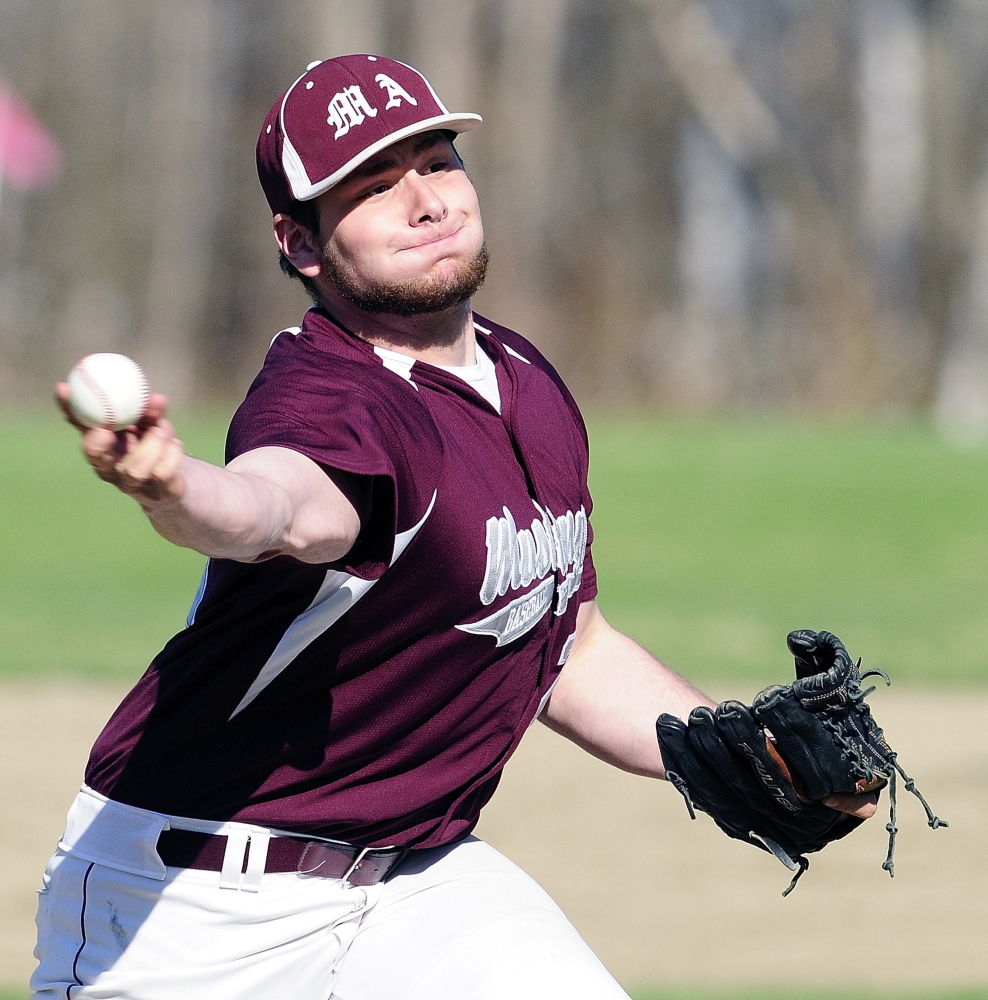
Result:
pixel 400 364
pixel 338 593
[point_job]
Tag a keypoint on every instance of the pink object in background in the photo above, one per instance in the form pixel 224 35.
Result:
pixel 30 157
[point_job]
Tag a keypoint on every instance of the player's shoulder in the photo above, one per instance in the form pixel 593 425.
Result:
pixel 517 347
pixel 322 360
pixel 321 366
pixel 317 384
pixel 529 364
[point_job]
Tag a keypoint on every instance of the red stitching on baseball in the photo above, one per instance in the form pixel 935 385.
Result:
pixel 145 390
pixel 110 414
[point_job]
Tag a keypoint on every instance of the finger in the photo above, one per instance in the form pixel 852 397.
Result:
pixel 801 740
pixel 152 472
pixel 62 399
pixel 103 450
pixel 98 441
pixel 155 411
pixel 135 468
pixel 165 425
pixel 739 727
pixel 860 806
pixel 166 473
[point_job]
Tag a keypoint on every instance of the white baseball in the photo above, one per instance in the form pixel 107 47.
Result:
pixel 108 390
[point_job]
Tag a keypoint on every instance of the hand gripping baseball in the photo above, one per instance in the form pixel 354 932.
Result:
pixel 762 773
pixel 144 460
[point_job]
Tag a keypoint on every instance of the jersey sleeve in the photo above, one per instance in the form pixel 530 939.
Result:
pixel 348 428
pixel 588 581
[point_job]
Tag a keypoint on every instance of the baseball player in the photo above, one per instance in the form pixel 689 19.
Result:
pixel 399 581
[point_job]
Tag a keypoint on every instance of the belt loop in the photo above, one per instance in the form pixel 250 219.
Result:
pixel 356 861
pixel 233 859
pixel 257 856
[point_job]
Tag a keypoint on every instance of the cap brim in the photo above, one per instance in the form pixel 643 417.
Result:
pixel 450 122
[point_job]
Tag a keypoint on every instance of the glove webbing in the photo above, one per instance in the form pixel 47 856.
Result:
pixel 854 754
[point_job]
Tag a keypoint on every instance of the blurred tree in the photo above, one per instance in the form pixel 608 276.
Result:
pixel 693 204
pixel 957 236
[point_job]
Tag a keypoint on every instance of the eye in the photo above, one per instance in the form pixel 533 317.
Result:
pixel 438 165
pixel 379 188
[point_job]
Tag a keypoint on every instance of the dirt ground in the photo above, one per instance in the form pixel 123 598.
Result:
pixel 662 900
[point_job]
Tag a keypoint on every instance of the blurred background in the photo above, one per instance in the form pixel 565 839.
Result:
pixel 692 205
pixel 752 235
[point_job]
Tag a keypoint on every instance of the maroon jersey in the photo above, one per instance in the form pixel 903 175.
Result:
pixel 375 699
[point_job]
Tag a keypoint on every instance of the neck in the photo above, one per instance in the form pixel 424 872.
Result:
pixel 440 338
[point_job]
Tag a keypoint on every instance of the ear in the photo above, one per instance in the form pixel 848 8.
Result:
pixel 296 243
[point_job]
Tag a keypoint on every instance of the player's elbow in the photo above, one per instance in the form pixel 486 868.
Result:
pixel 322 539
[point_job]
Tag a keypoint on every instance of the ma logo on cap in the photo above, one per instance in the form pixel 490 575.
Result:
pixel 349 107
pixel 396 92
pixel 296 161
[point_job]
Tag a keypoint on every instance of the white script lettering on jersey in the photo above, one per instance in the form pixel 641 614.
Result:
pixel 517 556
pixel 396 92
pixel 349 108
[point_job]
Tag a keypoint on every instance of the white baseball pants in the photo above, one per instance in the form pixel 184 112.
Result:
pixel 454 923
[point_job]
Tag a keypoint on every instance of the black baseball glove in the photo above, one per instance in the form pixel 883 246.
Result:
pixel 762 772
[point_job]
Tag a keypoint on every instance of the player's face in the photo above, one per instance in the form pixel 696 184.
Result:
pixel 403 233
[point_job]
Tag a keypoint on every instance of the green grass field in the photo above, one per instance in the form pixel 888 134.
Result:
pixel 715 540
pixel 86 586
pixel 712 541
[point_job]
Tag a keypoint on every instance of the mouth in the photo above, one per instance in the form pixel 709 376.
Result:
pixel 436 241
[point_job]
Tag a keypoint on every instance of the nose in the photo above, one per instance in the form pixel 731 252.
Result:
pixel 424 203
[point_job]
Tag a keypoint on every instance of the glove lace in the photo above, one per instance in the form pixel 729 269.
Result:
pixel 861 755
pixel 932 820
pixel 888 865
pixel 804 865
pixel 834 716
pixel 677 782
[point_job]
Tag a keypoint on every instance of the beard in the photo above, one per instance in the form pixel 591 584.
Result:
pixel 408 298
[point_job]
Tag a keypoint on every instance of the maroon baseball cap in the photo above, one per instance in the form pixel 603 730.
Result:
pixel 337 115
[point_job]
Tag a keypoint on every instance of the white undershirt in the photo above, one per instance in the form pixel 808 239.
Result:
pixel 481 377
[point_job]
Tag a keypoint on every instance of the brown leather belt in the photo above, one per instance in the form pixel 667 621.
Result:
pixel 324 859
